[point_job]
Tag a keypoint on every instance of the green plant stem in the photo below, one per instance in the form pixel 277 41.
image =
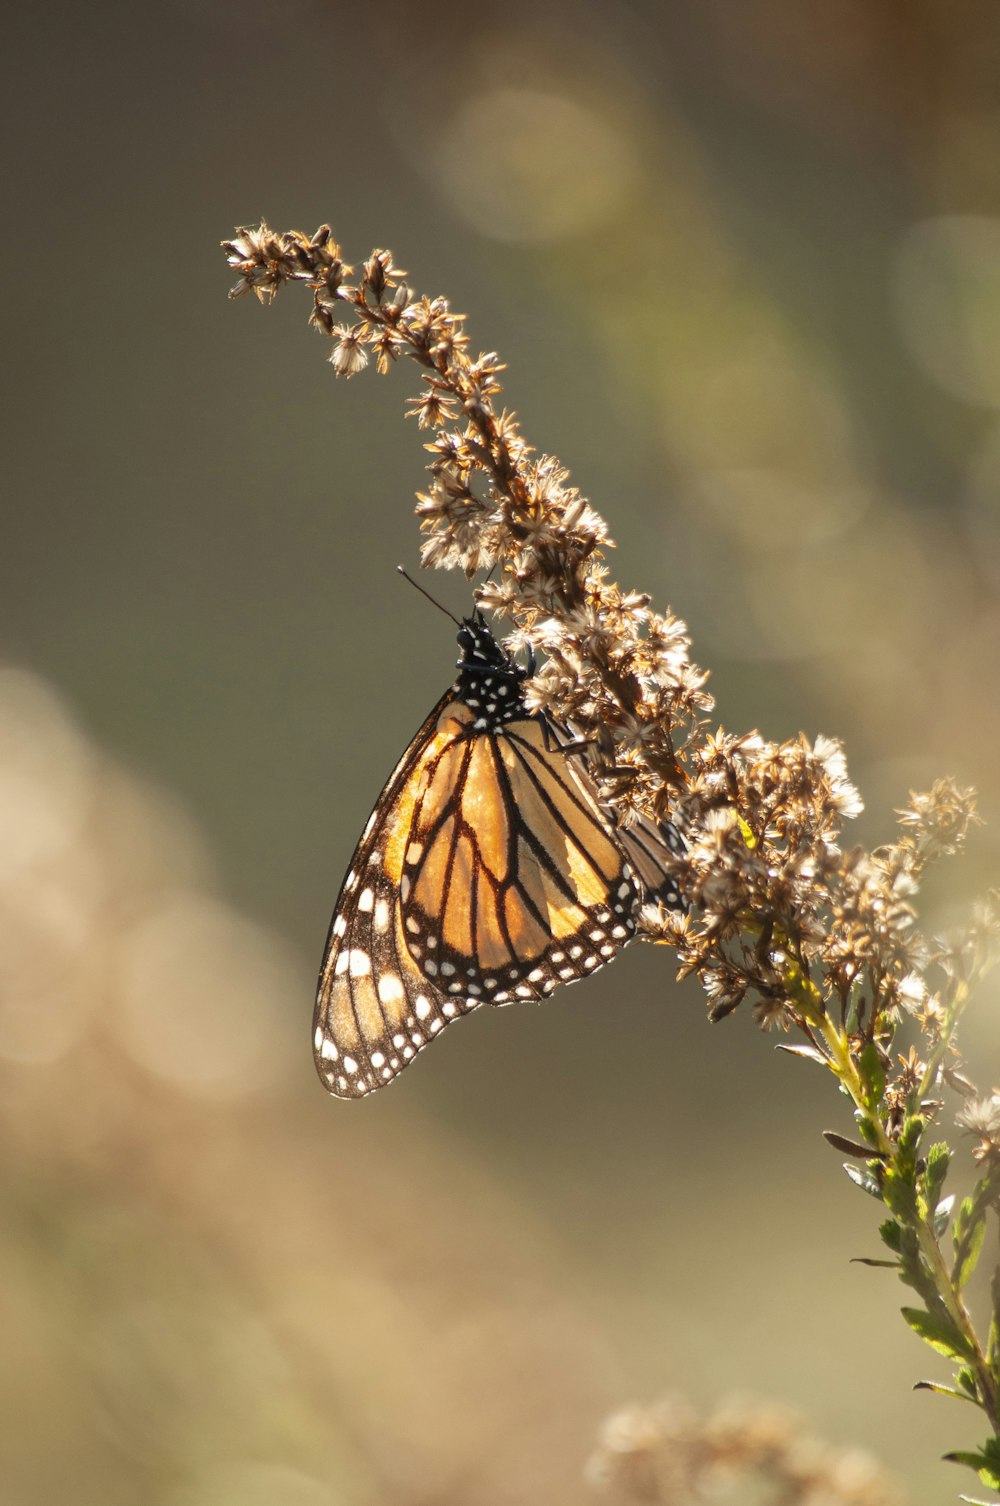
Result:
pixel 843 1066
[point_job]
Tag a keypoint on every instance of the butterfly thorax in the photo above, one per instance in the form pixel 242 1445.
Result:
pixel 489 683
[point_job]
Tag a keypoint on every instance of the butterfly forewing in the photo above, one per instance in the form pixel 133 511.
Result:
pixel 375 1009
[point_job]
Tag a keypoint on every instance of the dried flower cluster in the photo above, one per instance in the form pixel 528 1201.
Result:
pixel 668 1454
pixel 822 939
pixel 619 671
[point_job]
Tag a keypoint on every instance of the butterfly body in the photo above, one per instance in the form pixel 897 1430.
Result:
pixel 488 873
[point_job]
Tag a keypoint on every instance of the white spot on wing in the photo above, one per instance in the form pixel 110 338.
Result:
pixel 328 1051
pixel 422 1006
pixel 359 963
pixel 390 989
pixel 381 915
pixel 366 899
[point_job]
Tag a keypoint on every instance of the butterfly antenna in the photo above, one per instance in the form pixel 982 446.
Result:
pixel 433 599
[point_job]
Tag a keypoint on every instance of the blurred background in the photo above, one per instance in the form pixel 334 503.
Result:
pixel 743 262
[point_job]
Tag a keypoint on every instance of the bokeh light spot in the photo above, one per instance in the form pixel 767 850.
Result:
pixel 981 510
pixel 45 774
pixel 527 165
pixel 208 999
pixel 947 293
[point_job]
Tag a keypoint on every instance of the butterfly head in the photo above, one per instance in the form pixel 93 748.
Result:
pixel 480 650
pixel 489 681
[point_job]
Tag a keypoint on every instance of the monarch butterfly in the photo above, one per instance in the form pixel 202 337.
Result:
pixel 488 872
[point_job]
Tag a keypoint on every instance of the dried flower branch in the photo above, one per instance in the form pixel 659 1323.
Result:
pixel 669 1455
pixel 615 668
pixel 822 940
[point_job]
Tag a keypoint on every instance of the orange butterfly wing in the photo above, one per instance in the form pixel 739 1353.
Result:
pixel 375 1009
pixel 513 879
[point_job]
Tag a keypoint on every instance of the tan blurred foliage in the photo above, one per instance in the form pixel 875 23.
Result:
pixel 215 1307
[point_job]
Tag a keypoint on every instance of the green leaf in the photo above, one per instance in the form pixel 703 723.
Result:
pixel 938 1161
pixel 985 1468
pixel 887 1265
pixel 993 1344
pixel 913 1270
pixel 892 1235
pixel 851 1147
pixel 937 1330
pixel 872 1075
pixel 809 1052
pixel 746 832
pixel 864 1179
pixel 942 1213
pixel 990 1475
pixel 968 1253
pixel 942 1390
pixel 899 1193
pixel 909 1140
pixel 966 1378
pixel 964 1218
pixel 870 1129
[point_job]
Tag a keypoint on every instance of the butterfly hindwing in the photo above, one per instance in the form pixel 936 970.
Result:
pixel 514 880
